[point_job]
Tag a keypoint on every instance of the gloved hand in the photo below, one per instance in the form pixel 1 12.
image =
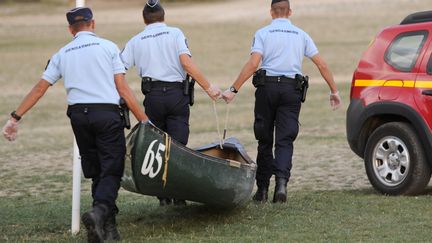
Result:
pixel 228 96
pixel 10 130
pixel 147 122
pixel 335 100
pixel 213 92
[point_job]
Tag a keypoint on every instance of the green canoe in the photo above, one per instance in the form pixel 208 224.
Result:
pixel 156 165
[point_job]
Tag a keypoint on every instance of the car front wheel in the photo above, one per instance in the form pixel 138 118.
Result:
pixel 395 161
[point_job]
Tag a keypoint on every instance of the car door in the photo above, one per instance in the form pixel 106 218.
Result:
pixel 403 58
pixel 423 85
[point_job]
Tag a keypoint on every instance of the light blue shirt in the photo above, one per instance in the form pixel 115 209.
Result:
pixel 88 65
pixel 283 46
pixel 155 53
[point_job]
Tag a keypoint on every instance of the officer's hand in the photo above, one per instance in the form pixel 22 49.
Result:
pixel 228 96
pixel 10 130
pixel 214 92
pixel 335 100
pixel 147 122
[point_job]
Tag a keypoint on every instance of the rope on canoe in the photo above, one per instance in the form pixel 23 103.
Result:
pixel 217 124
pixel 226 122
pixel 167 157
pixel 221 137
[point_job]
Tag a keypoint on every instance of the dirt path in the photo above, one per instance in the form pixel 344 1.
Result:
pixel 219 12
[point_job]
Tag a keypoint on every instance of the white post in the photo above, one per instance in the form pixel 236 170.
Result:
pixel 76 190
pixel 80 3
pixel 76 184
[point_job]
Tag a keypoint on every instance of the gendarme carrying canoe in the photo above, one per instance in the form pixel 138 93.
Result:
pixel 156 165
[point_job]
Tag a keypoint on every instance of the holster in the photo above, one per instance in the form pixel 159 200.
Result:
pixel 146 85
pixel 188 89
pixel 302 85
pixel 259 78
pixel 124 113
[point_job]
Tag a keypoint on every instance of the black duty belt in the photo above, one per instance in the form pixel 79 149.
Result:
pixel 92 107
pixel 280 79
pixel 162 84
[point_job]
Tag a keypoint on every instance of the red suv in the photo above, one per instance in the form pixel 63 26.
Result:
pixel 389 120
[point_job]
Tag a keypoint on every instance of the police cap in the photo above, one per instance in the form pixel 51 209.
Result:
pixel 79 14
pixel 153 6
pixel 276 1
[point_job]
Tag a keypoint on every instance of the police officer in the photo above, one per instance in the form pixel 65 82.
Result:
pixel 280 47
pixel 94 80
pixel 163 60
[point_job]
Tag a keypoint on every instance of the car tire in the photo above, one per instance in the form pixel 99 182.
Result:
pixel 395 161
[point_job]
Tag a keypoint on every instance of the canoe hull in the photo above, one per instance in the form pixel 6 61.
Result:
pixel 159 166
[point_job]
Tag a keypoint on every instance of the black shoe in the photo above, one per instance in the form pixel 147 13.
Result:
pixel 280 193
pixel 110 228
pixel 163 201
pixel 261 195
pixel 178 202
pixel 94 221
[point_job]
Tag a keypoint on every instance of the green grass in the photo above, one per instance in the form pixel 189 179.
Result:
pixel 309 216
pixel 330 199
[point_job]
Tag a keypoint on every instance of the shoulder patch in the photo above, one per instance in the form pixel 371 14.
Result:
pixel 49 60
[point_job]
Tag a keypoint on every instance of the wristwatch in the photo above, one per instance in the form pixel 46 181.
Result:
pixel 232 89
pixel 15 116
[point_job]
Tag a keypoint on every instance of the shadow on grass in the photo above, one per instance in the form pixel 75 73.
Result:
pixel 176 219
pixel 144 218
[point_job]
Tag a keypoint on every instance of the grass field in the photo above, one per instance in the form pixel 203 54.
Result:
pixel 330 198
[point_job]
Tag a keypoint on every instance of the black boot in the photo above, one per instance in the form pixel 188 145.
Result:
pixel 110 228
pixel 94 221
pixel 280 193
pixel 261 194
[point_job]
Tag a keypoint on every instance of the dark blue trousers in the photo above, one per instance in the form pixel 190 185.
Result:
pixel 101 141
pixel 168 109
pixel 277 109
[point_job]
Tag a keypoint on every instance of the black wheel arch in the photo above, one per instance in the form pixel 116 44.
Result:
pixel 363 120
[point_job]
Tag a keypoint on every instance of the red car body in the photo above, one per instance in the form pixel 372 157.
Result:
pixel 393 84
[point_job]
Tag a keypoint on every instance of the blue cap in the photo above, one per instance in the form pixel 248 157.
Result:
pixel 79 14
pixel 276 1
pixel 153 6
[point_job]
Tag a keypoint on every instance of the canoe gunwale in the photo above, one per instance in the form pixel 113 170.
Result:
pixel 233 142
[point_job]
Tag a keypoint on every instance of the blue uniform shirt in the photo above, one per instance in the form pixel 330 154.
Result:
pixel 155 53
pixel 283 47
pixel 88 64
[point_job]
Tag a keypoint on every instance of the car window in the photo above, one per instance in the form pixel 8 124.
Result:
pixel 404 50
